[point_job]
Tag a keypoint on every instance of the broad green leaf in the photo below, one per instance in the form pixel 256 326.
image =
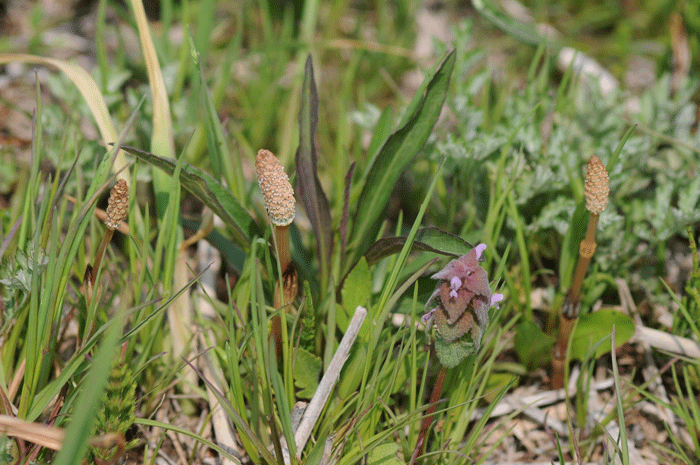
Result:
pixel 592 328
pixel 356 290
pixel 382 130
pixel 308 185
pixel 496 383
pixel 531 344
pixel 384 454
pixel 427 240
pixel 352 373
pixel 396 153
pixel 307 368
pixel 212 193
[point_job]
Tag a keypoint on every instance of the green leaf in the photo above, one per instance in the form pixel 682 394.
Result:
pixel 427 240
pixel 616 154
pixel 353 371
pixel 186 432
pixel 594 328
pixel 308 185
pixel 307 368
pixel 212 193
pixel 356 290
pixel 531 344
pixel 452 353
pixel 396 153
pixel 384 454
pixel 382 130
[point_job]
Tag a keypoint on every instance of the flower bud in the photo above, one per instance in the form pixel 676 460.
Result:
pixel 463 298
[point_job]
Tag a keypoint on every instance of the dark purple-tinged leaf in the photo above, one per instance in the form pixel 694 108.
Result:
pixel 427 240
pixel 308 186
pixel 346 210
pixel 212 193
pixel 396 153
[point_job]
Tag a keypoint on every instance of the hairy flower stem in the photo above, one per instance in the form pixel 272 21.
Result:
pixel 428 419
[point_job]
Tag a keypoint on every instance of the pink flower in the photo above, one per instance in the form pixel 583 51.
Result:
pixel 463 298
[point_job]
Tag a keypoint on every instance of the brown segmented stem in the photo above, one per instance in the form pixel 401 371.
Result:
pixel 596 190
pixel 280 204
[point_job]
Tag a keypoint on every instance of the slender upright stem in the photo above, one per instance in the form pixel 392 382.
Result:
pixel 428 419
pixel 280 205
pixel 596 192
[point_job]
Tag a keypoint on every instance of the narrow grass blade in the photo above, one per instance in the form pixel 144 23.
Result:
pixel 186 432
pixel 391 282
pixel 223 163
pixel 624 452
pixel 212 193
pixel 398 150
pixel 236 418
pixel 616 154
pixel 308 185
pixel 346 210
pixel 519 30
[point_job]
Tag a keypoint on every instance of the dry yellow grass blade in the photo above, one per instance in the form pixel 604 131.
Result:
pixel 90 92
pixel 52 437
pixel 162 139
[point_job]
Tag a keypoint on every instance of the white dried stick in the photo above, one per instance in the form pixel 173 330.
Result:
pixel 313 411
